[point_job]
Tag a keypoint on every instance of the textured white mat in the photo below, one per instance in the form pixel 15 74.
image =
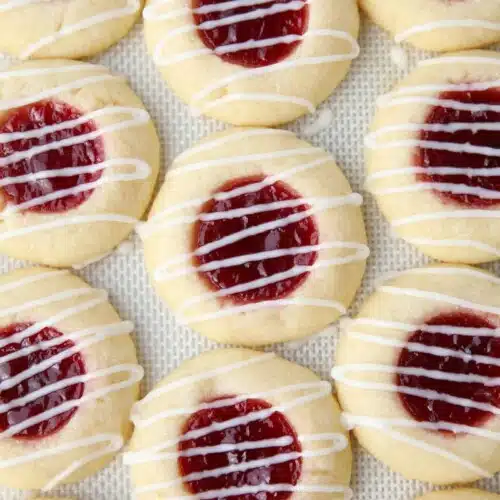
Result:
pixel 162 343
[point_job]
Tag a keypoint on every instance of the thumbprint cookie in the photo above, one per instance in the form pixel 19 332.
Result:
pixel 438 25
pixel 79 158
pixel 235 423
pixel 256 237
pixel 465 494
pixel 35 29
pixel 418 371
pixel 433 157
pixel 252 62
pixel 68 379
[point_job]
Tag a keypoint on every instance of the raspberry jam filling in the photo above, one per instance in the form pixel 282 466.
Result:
pixel 432 410
pixel 71 366
pixel 58 161
pixel 223 26
pixel 240 453
pixel 301 233
pixel 474 135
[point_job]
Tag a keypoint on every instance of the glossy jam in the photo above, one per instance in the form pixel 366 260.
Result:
pixel 429 410
pixel 296 234
pixel 262 28
pixel 427 157
pixel 83 154
pixel 273 427
pixel 70 367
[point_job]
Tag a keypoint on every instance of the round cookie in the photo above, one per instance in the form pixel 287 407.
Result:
pixel 433 157
pixel 256 237
pixel 438 25
pixel 465 494
pixel 417 374
pixel 257 63
pixel 79 157
pixel 37 29
pixel 69 379
pixel 241 422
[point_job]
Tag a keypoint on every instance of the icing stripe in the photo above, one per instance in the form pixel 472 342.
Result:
pixel 446 24
pixel 387 427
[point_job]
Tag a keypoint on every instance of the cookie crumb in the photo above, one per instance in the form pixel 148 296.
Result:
pixel 399 57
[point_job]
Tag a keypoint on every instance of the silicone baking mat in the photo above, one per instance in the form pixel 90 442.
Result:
pixel 161 342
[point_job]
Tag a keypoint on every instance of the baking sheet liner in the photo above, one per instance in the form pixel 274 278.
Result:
pixel 162 343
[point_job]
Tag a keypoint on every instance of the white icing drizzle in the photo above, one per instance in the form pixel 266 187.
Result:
pixel 82 339
pixel 114 169
pixel 454 270
pixel 167 450
pixel 321 122
pixel 446 24
pixel 477 59
pixel 341 374
pixel 108 14
pixel 425 94
pixel 387 426
pixel 154 13
pixel 181 265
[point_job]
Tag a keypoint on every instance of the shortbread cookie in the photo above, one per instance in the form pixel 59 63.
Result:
pixel 79 158
pixel 256 237
pixel 69 379
pixel 465 494
pixel 438 25
pixel 433 157
pixel 241 424
pixel 262 62
pixel 417 374
pixel 64 29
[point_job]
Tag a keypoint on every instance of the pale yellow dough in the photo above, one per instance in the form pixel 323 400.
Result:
pixel 64 244
pixel 463 239
pixel 438 25
pixel 108 414
pixel 318 416
pixel 282 92
pixel 465 494
pixel 69 29
pixel 404 301
pixel 240 153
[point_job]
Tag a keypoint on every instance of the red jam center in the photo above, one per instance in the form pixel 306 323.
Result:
pixel 81 154
pixel 428 158
pixel 223 26
pixel 432 410
pixel 240 438
pixel 71 366
pixel 293 235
